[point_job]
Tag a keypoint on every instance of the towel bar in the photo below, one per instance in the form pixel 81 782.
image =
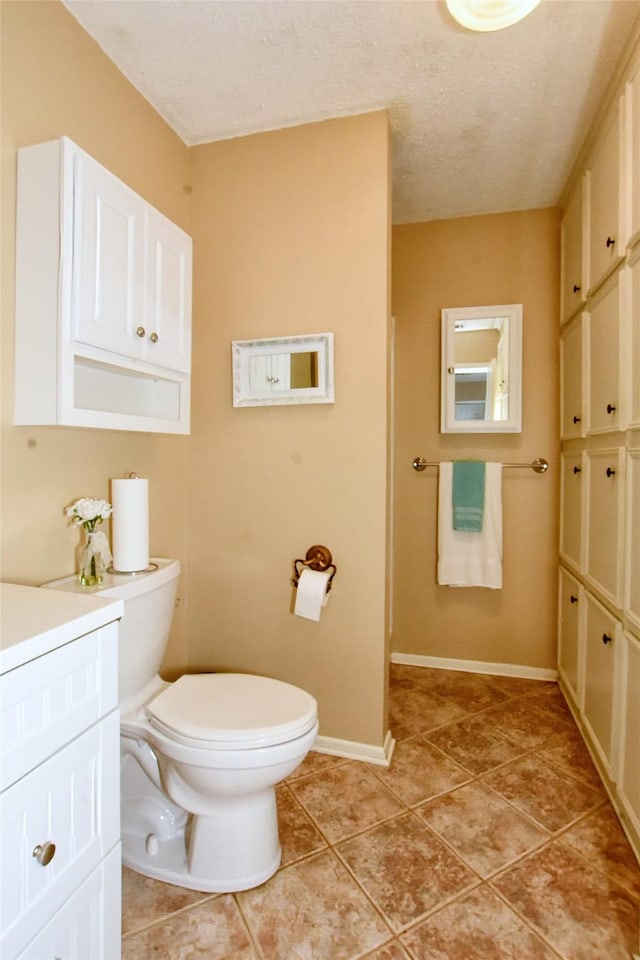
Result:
pixel 539 465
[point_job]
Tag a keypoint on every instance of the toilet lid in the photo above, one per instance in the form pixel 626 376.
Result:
pixel 232 710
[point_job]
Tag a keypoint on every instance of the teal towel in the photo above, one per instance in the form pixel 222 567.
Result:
pixel 468 495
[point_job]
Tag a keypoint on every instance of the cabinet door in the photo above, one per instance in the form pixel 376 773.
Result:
pixel 601 644
pixel 108 260
pixel 632 528
pixel 604 373
pixel 604 530
pixel 571 498
pixel 629 757
pixel 167 316
pixel 571 253
pixel 571 357
pixel 633 146
pixel 606 219
pixel 634 335
pixel 569 633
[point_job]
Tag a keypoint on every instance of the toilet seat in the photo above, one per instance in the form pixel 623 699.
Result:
pixel 231 711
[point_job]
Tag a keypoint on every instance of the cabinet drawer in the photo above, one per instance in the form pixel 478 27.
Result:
pixel 50 700
pixel 88 925
pixel 73 801
pixel 605 515
pixel 601 648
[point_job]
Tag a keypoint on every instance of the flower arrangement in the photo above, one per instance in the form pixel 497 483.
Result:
pixel 88 513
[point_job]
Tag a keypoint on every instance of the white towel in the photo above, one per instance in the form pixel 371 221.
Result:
pixel 471 559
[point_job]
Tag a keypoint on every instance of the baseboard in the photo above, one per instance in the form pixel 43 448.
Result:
pixel 476 666
pixel 353 750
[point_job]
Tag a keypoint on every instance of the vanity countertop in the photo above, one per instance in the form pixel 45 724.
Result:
pixel 34 621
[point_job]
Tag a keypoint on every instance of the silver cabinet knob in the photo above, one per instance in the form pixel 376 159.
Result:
pixel 44 853
pixel 154 337
pixel 140 332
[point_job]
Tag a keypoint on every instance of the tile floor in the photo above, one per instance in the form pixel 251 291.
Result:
pixel 489 837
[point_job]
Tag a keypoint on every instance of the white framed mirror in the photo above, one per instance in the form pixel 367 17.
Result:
pixel 481 369
pixel 283 370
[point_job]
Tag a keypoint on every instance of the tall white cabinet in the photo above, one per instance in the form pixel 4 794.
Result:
pixel 59 776
pixel 103 299
pixel 599 611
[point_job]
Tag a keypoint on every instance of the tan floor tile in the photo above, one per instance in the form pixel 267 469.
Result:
pixel 314 762
pixel 481 827
pixel 529 721
pixel 602 841
pixel 405 869
pixel 345 800
pixel 417 711
pixel 543 793
pixel 568 752
pixel 298 836
pixel 478 926
pixel 212 931
pixel 419 771
pixel 473 746
pixel 583 914
pixel 470 691
pixel 312 910
pixel 145 901
pixel 391 951
pixel 519 686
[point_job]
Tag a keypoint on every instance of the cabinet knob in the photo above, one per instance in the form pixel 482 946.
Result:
pixel 573 598
pixel 611 241
pixel 154 337
pixel 611 408
pixel 611 472
pixel 606 638
pixel 576 288
pixel 44 853
pixel 577 419
pixel 140 332
pixel 577 469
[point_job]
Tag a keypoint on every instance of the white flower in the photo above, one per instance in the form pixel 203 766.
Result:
pixel 88 512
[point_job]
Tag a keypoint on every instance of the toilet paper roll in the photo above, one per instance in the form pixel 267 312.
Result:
pixel 311 595
pixel 130 524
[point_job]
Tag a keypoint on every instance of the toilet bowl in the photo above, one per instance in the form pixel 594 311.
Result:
pixel 200 757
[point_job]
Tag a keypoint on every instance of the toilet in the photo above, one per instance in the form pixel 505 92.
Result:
pixel 200 757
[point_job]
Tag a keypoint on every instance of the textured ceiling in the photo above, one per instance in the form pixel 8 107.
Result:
pixel 481 123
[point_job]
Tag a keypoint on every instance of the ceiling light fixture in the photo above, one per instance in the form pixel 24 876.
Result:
pixel 485 15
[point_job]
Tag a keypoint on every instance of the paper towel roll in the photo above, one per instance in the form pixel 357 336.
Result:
pixel 130 524
pixel 311 595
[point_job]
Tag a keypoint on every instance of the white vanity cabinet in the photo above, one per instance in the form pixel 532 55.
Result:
pixel 59 776
pixel 606 199
pixel 103 299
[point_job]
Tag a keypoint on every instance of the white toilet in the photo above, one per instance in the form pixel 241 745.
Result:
pixel 199 757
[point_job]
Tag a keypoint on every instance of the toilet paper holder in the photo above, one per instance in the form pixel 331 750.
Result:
pixel 317 557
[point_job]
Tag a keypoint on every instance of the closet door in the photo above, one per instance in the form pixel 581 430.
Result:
pixel 601 644
pixel 571 500
pixel 605 518
pixel 569 633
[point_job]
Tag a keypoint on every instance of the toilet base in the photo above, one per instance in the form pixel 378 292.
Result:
pixel 169 864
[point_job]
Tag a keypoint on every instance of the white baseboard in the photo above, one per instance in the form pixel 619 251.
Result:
pixel 353 750
pixel 476 666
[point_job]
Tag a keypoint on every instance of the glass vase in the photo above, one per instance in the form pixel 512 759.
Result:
pixel 91 569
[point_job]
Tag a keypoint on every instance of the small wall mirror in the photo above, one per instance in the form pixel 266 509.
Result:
pixel 481 370
pixel 283 370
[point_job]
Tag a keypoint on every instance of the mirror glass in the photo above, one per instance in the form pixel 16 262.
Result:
pixel 481 369
pixel 283 370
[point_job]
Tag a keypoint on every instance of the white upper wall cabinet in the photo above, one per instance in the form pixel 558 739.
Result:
pixel 633 136
pixel 606 207
pixel 572 253
pixel 103 299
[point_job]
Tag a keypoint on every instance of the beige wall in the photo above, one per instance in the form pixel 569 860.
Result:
pixel 55 80
pixel 506 258
pixel 291 237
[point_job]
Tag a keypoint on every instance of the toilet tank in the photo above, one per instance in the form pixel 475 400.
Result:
pixel 143 632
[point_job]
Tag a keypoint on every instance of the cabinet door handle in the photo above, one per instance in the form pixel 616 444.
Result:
pixel 44 853
pixel 576 288
pixel 140 332
pixel 611 472
pixel 606 638
pixel 577 419
pixel 611 241
pixel 573 598
pixel 154 337
pixel 577 469
pixel 611 408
